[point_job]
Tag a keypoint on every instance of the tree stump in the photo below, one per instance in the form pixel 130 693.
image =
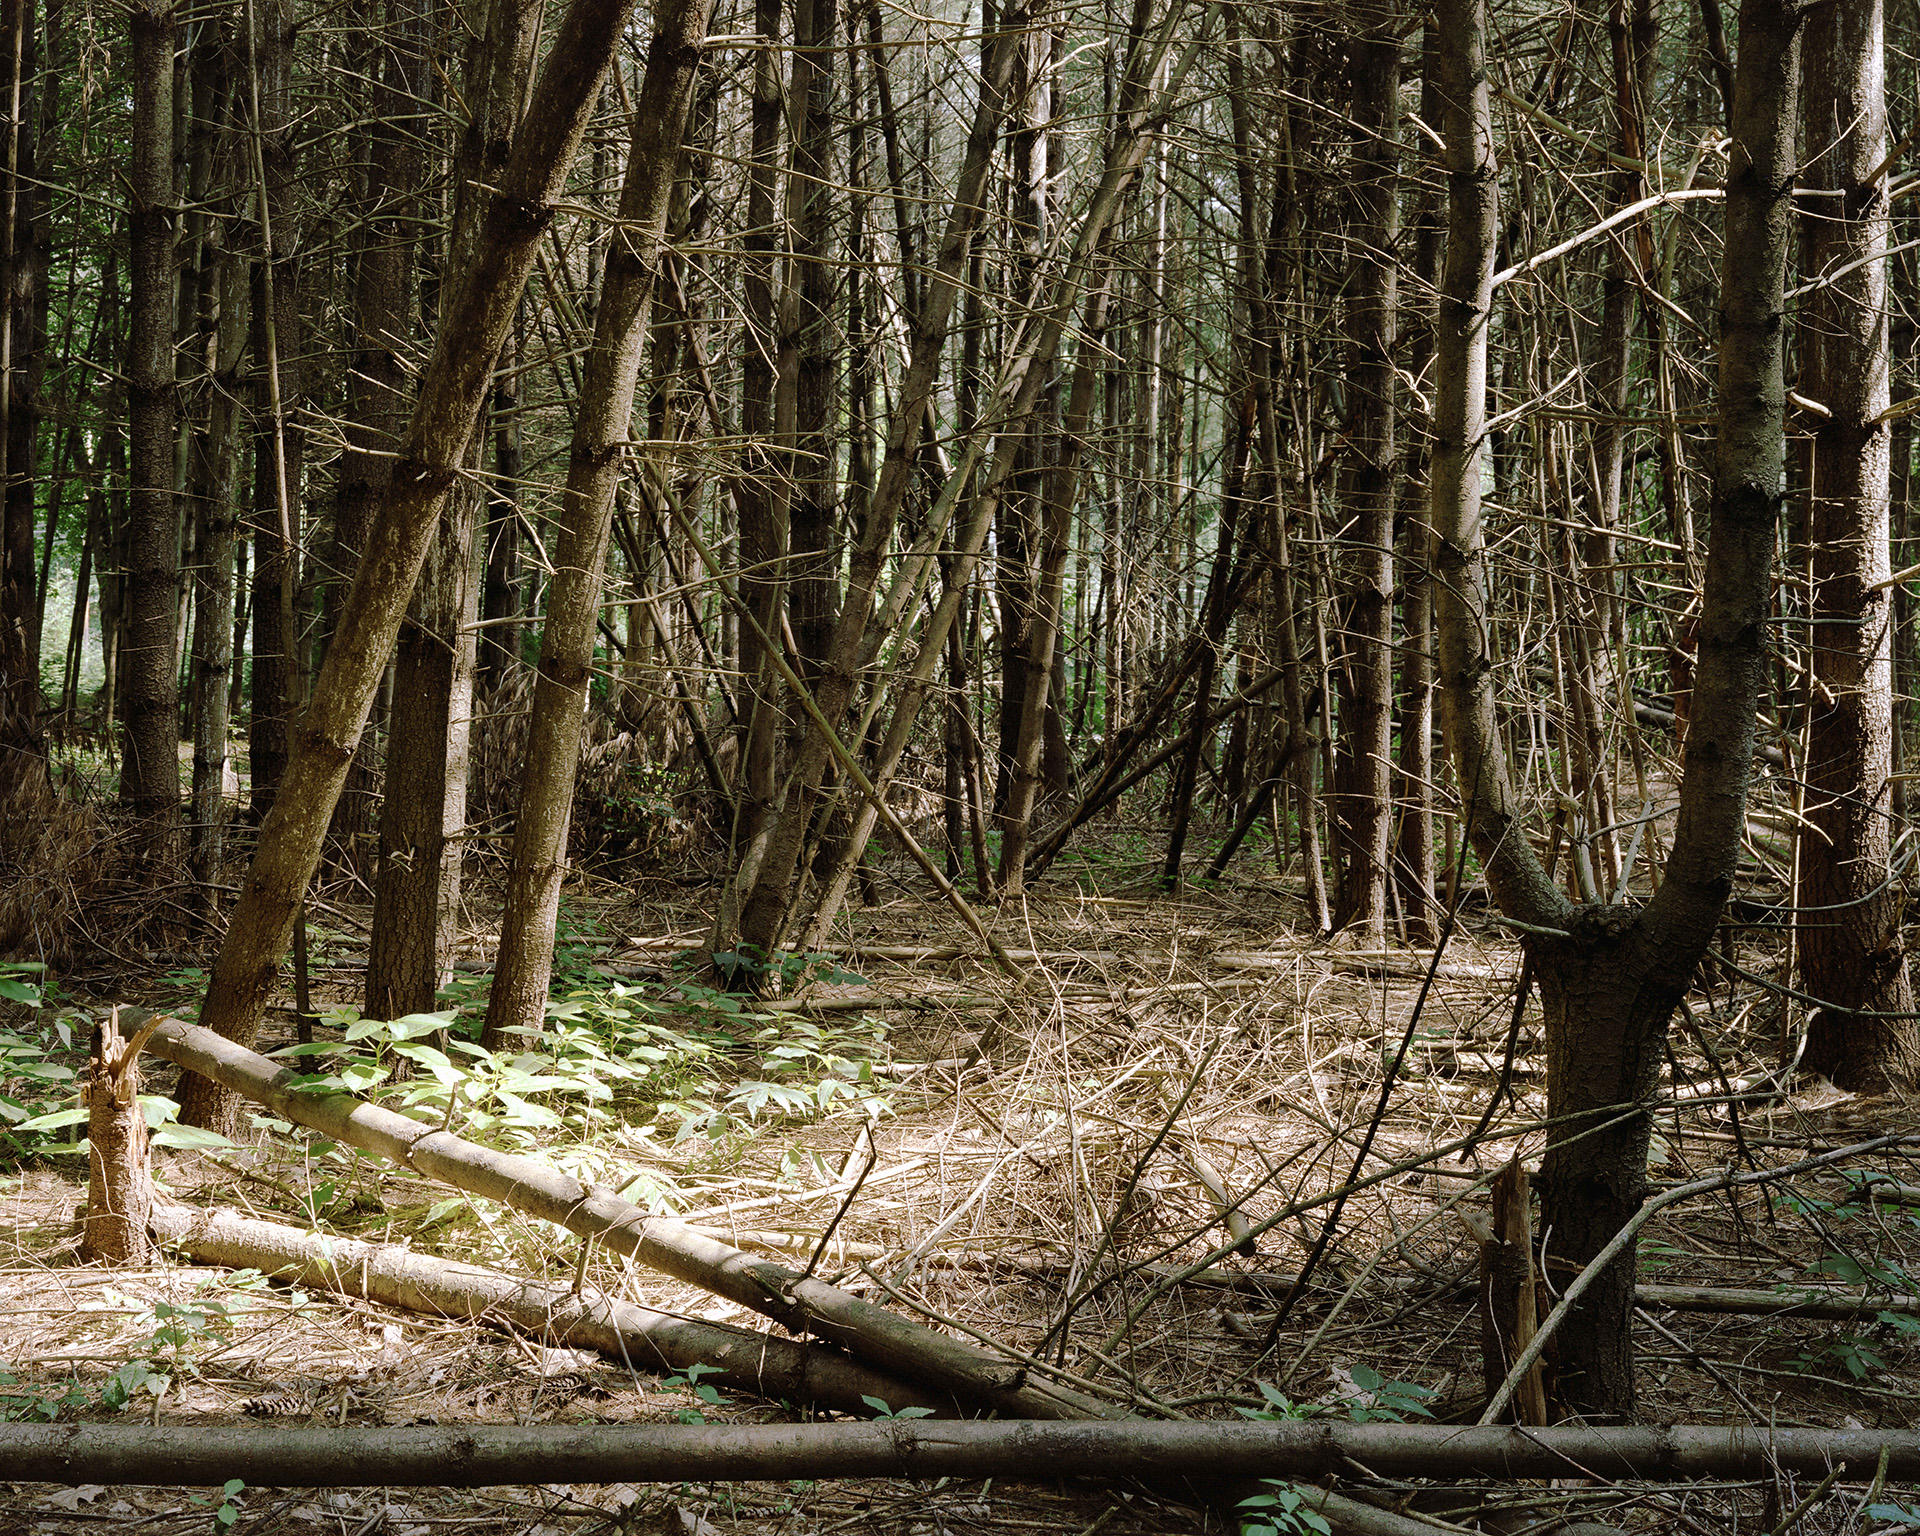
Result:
pixel 1509 1296
pixel 119 1183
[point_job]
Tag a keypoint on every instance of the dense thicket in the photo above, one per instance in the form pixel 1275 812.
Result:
pixel 712 435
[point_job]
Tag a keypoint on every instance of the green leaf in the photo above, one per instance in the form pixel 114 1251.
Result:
pixel 190 1138
pixel 53 1120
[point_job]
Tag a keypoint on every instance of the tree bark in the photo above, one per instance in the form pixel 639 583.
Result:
pixel 211 487
pixel 483 1455
pixel 479 310
pixel 383 313
pixel 557 1315
pixel 119 1185
pixel 1847 902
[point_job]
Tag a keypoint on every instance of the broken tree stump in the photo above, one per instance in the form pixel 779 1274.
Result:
pixel 1508 1293
pixel 119 1181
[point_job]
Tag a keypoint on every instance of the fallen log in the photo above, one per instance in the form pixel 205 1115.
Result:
pixel 797 1302
pixel 1833 1305
pixel 1407 967
pixel 481 1455
pixel 745 1361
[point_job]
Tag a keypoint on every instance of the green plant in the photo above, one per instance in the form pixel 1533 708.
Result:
pixel 18 1400
pixel 1279 1405
pixel 690 1379
pixel 32 1082
pixel 882 1411
pixel 1281 1511
pixel 1381 1399
pixel 228 1510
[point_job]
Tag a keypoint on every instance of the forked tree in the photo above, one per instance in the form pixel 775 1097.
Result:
pixel 1612 974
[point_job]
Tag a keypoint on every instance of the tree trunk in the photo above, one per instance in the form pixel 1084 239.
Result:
pixel 383 313
pixel 417 882
pixel 602 425
pixel 26 791
pixel 1362 804
pixel 278 441
pixel 479 310
pixel 1847 903
pixel 149 681
pixel 211 486
pixel 119 1182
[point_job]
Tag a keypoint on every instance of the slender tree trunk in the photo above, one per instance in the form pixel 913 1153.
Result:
pixel 1061 495
pixel 500 599
pixel 602 424
pixel 1362 805
pixel 763 497
pixel 278 680
pixel 810 349
pixel 210 469
pixel 149 682
pixel 1847 901
pixel 33 100
pixel 479 310
pixel 21 741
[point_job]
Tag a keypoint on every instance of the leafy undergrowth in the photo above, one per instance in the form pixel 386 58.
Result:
pixel 1158 1050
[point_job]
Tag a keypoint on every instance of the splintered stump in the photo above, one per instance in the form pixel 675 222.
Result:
pixel 1509 1299
pixel 119 1184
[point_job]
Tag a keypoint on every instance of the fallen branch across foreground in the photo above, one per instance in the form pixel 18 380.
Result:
pixel 797 1302
pixel 481 1455
pixel 641 1337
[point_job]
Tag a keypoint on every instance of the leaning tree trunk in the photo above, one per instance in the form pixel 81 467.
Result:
pixel 1611 975
pixel 453 387
pixel 602 426
pixel 1847 900
pixel 149 681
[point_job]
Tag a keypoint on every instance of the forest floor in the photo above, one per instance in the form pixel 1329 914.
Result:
pixel 1154 1046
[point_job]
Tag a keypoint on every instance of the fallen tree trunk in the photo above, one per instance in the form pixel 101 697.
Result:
pixel 637 1336
pixel 1791 1301
pixel 480 1455
pixel 797 1302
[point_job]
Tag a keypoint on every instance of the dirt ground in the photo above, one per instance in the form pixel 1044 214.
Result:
pixel 1045 1197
